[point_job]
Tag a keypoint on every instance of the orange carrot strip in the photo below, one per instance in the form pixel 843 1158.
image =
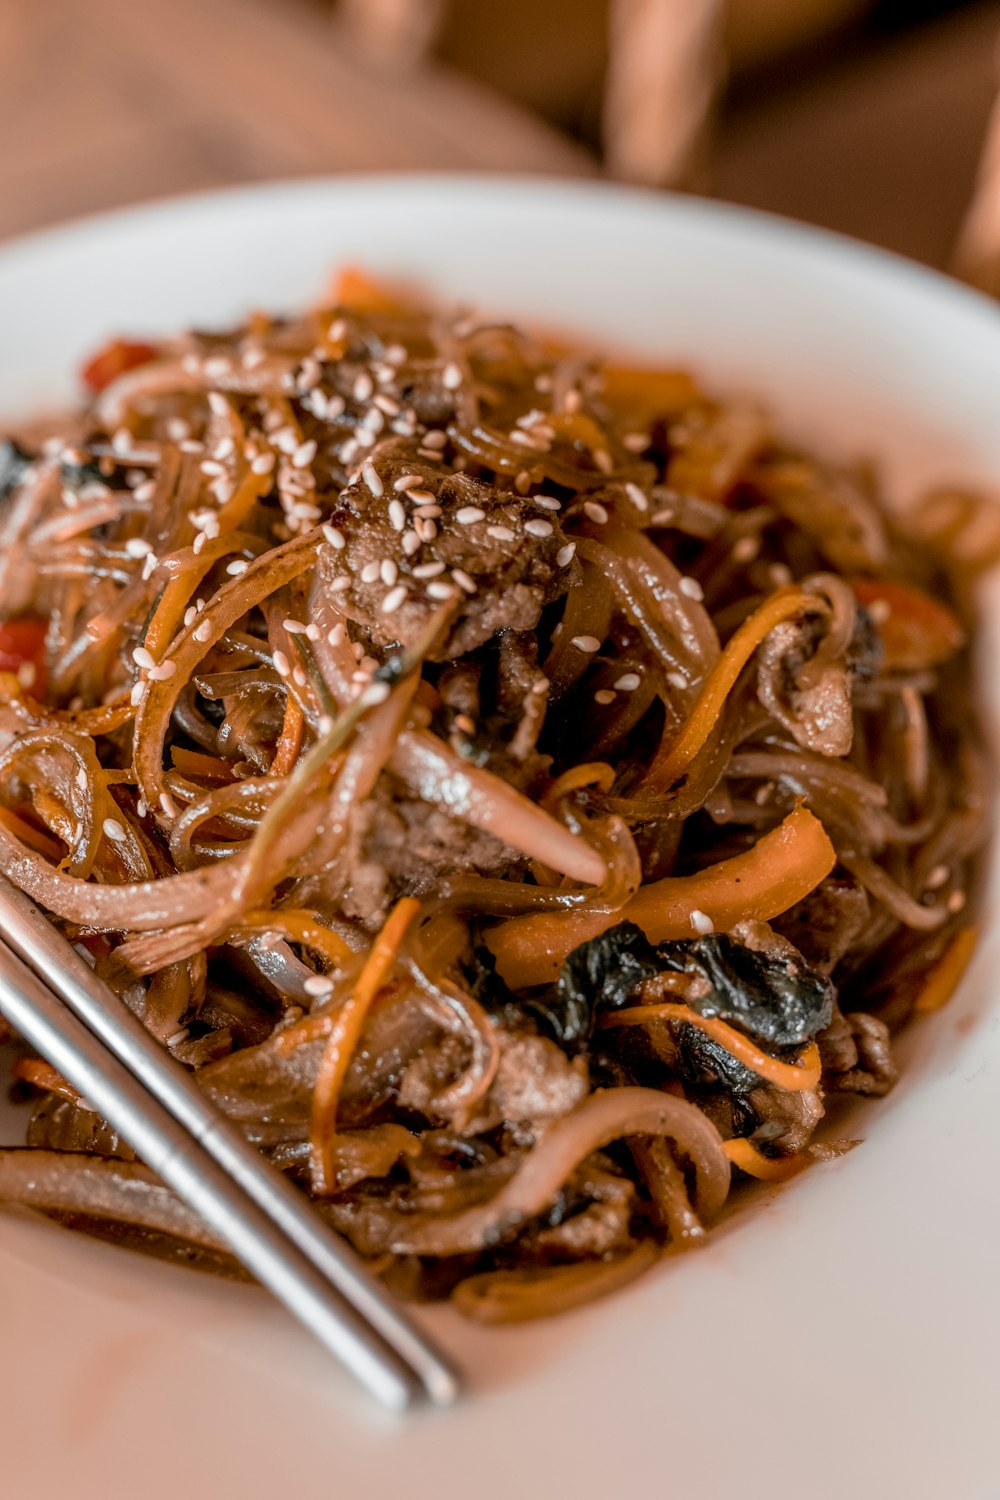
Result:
pixel 796 1077
pixel 783 604
pixel 43 1075
pixel 346 1026
pixel 35 838
pixel 299 926
pixel 943 980
pixel 765 1168
pixel 197 763
pixel 290 739
pixel 782 867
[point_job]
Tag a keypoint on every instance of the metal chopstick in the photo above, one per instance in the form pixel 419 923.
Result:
pixel 106 1053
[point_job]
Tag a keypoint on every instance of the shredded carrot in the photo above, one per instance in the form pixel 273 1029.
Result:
pixel 783 604
pixel 796 1077
pixel 943 980
pixel 177 595
pixel 300 926
pixel 290 739
pixel 357 288
pixel 781 868
pixel 765 1168
pixel 345 1032
pixel 592 773
pixel 42 1075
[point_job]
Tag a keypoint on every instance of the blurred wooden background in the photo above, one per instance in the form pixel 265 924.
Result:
pixel 833 110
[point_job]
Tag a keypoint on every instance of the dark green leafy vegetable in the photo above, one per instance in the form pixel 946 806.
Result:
pixel 599 975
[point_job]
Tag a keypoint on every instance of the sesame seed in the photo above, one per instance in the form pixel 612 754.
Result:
pixel 636 496
pixel 465 724
pixel 780 574
pixel 463 580
pixel 588 643
pixel 665 516
pixel 566 554
pixel 388 571
pixel 209 466
pixel 190 445
pixel 304 454
pixel 956 901
pixel 363 387
pixel 264 464
pixel 435 439
pixel 603 460
pixel 325 723
pixel 216 401
pixel 628 682
pixel 410 543
pixel 141 807
pixel 397 515
pixel 879 610
pixel 501 533
pixel 406 482
pixel 335 537
pixel 318 984
pixel 137 546
pixel 199 542
pixel 312 632
pixel 428 511
pixel 745 549
pixel 373 420
pixel 395 354
pixel 393 599
pixel 547 502
pixel 691 588
pixel 421 497
pixel 429 570
pixel 604 696
pixel 137 694
pixel 370 476
pixel 114 830
pixel 702 923
pixel 369 572
pixel 440 591
pixel 937 878
pixel 337 634
pixel 451 377
pixel 678 680
pixel 426 529
pixel 299 677
pixel 162 672
pixel 237 566
pixel 294 627
pixel 282 665
pixel 190 615
pixel 203 631
pixel 387 404
pixel 469 515
pixel 538 527
pixel 145 491
pixel 143 658
pixel 335 407
pixel 594 511
pixel 636 442
pixel 168 805
pixel 178 429
pixel 376 692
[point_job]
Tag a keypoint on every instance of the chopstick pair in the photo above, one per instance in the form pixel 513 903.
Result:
pixel 58 1005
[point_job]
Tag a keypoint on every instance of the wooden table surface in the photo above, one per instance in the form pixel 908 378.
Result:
pixel 105 102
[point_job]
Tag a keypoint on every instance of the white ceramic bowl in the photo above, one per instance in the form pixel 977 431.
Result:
pixel 841 1339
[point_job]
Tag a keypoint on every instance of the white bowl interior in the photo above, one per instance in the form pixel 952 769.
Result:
pixel 847 1330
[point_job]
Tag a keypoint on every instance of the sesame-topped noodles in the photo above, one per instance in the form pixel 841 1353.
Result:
pixel 521 788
